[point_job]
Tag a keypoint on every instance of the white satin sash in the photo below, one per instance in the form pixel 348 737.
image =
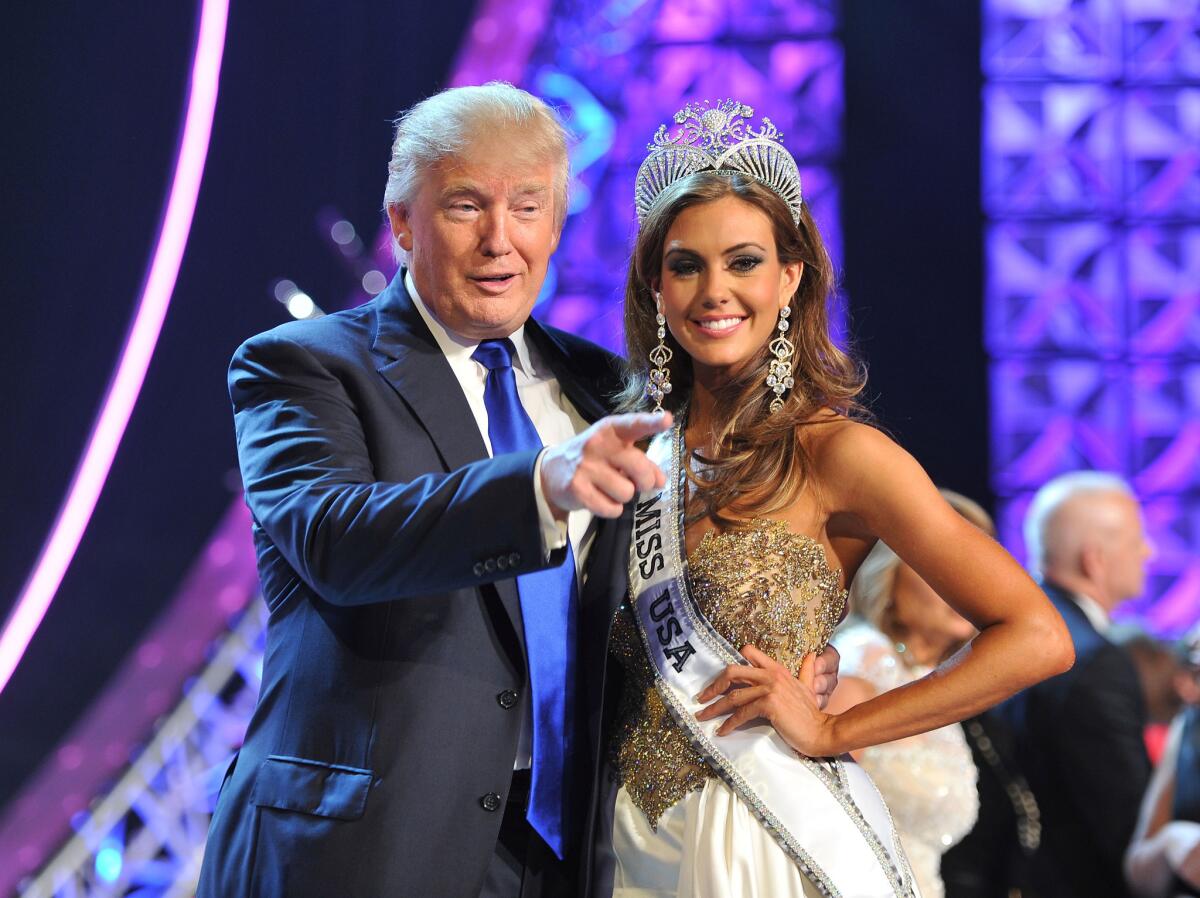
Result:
pixel 825 813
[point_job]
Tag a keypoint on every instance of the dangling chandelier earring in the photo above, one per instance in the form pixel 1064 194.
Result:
pixel 779 376
pixel 659 384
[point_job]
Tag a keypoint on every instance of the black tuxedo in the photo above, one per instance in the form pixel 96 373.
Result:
pixel 394 682
pixel 1079 742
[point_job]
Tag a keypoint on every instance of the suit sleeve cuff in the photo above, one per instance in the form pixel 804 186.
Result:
pixel 554 532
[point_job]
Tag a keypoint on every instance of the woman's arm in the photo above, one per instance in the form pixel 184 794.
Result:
pixel 875 487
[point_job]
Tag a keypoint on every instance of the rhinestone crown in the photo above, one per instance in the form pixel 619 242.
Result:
pixel 717 138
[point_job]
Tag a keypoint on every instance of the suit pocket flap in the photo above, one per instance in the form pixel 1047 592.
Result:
pixel 312 787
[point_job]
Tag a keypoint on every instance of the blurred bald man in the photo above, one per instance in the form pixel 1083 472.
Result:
pixel 1079 735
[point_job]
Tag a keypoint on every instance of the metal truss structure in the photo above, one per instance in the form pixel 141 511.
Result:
pixel 1091 186
pixel 146 836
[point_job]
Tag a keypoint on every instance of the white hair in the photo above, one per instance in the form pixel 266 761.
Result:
pixel 1039 517
pixel 445 125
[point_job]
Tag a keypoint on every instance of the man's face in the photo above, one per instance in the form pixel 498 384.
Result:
pixel 480 233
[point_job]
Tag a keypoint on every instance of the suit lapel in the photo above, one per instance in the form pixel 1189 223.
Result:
pixel 608 561
pixel 607 584
pixel 1073 615
pixel 555 356
pixel 411 361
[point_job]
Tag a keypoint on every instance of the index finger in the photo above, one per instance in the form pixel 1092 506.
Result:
pixel 758 657
pixel 634 426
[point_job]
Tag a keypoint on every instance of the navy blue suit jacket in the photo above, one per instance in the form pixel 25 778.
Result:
pixel 387 542
pixel 1079 742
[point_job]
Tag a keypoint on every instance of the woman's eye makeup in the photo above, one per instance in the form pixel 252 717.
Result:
pixel 745 263
pixel 682 266
pixel 742 264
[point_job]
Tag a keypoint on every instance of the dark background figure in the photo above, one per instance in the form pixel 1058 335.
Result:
pixel 1164 856
pixel 1079 737
pixel 1159 666
pixel 993 860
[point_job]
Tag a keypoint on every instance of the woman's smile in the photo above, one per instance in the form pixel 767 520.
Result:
pixel 717 328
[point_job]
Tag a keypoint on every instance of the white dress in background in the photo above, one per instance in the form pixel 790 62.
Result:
pixel 928 781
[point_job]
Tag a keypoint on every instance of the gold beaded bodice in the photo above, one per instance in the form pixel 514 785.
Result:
pixel 761 584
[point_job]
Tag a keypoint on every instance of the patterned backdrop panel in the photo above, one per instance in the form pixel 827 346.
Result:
pixel 1161 137
pixel 1164 291
pixel 690 20
pixel 1052 150
pixel 1091 180
pixel 1162 42
pixel 1165 429
pixel 1054 416
pixel 1052 40
pixel 1054 288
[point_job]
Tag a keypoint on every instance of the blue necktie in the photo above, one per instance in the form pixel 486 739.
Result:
pixel 548 608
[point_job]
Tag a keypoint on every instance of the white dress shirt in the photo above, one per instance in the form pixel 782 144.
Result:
pixel 1094 612
pixel 554 418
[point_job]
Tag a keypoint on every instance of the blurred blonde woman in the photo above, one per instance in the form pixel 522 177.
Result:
pixel 899 632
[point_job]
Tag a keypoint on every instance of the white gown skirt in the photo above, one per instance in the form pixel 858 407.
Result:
pixel 708 845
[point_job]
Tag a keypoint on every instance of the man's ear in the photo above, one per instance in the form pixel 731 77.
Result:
pixel 1091 561
pixel 398 216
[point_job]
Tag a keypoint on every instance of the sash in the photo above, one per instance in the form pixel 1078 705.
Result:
pixel 825 813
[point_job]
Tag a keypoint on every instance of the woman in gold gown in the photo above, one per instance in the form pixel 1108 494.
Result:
pixel 783 492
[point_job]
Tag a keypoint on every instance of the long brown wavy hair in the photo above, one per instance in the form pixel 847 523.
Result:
pixel 760 464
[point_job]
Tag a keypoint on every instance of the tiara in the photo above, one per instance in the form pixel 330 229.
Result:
pixel 717 138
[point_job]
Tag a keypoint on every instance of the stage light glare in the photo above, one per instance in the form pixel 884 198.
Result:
pixel 284 289
pixel 108 863
pixel 486 30
pixel 374 281
pixel 342 232
pixel 300 305
pixel 76 511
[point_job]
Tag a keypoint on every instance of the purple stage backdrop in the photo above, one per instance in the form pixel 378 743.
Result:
pixel 1091 186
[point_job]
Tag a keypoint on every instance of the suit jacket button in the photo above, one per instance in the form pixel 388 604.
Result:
pixel 490 802
pixel 507 699
pixel 514 559
pixel 502 562
pixel 490 565
pixel 478 569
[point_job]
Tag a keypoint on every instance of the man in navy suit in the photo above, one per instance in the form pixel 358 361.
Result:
pixel 1079 735
pixel 439 590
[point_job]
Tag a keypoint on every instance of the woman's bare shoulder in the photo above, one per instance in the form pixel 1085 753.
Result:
pixel 835 442
pixel 856 463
